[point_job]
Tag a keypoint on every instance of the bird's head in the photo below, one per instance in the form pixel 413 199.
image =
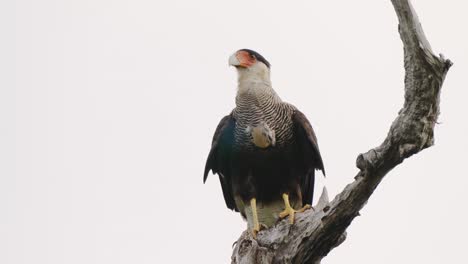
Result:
pixel 246 58
pixel 250 65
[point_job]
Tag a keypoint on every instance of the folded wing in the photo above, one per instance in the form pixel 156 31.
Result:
pixel 219 158
pixel 308 155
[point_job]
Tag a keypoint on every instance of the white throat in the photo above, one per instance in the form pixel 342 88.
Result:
pixel 255 76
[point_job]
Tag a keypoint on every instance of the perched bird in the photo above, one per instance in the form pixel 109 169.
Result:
pixel 265 150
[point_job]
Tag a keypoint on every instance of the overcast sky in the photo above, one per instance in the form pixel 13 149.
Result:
pixel 108 108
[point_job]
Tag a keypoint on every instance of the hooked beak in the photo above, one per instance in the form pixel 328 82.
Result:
pixel 234 61
pixel 241 59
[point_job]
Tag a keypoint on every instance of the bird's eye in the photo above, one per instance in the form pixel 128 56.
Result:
pixel 252 56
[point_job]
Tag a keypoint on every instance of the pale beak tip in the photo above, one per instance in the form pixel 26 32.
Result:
pixel 233 60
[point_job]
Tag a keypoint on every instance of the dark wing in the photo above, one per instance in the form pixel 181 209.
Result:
pixel 308 155
pixel 219 159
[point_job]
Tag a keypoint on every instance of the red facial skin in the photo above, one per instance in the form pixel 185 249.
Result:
pixel 245 59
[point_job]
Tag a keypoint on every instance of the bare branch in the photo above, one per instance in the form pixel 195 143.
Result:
pixel 316 233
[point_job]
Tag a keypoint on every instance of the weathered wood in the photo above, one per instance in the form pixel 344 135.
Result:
pixel 317 232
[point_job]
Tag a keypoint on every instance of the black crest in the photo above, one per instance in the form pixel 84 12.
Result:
pixel 257 56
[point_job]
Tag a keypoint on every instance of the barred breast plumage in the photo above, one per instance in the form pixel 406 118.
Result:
pixel 260 104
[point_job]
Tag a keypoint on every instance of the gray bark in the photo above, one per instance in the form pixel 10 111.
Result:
pixel 316 232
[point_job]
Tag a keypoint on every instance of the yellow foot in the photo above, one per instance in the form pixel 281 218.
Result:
pixel 289 211
pixel 305 207
pixel 257 229
pixel 256 225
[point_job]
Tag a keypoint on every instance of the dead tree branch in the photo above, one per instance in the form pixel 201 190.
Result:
pixel 316 233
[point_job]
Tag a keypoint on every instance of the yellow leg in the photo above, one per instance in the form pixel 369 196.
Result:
pixel 256 226
pixel 288 210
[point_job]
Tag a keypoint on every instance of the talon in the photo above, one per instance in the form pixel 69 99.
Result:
pixel 304 208
pixel 289 211
pixel 257 229
pixel 255 232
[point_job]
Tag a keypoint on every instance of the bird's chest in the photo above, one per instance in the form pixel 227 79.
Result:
pixel 262 127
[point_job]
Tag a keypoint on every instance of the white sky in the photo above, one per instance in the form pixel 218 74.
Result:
pixel 108 108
